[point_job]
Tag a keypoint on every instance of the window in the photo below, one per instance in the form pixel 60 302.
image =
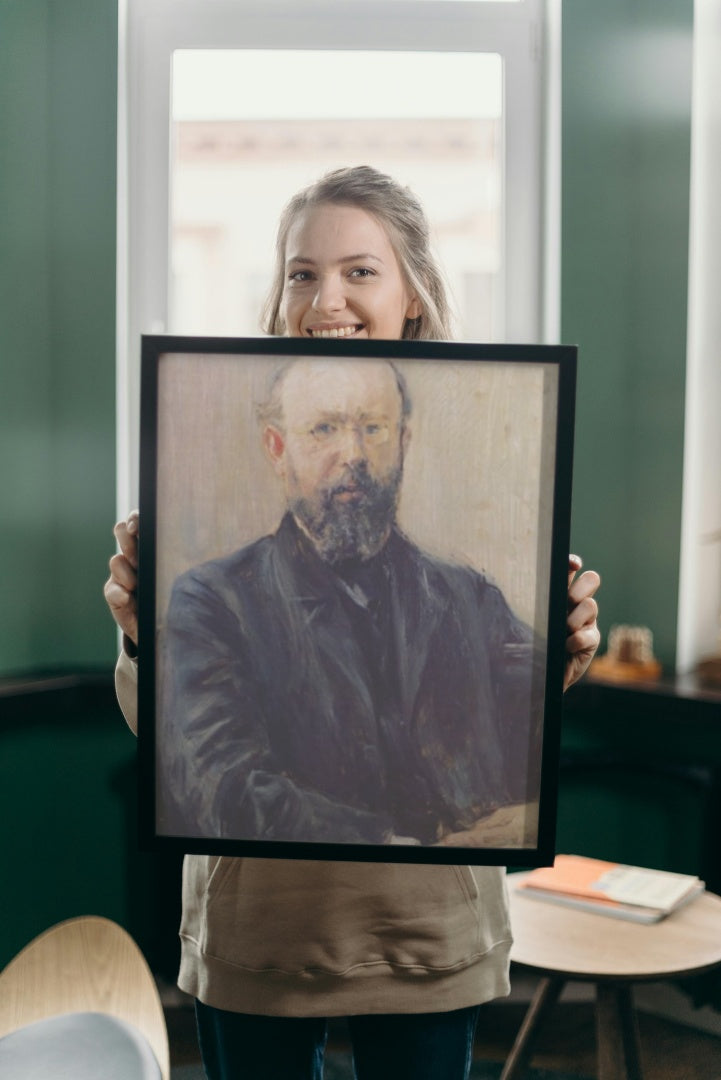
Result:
pixel 236 161
pixel 227 107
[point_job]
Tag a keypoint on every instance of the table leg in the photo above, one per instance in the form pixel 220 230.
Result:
pixel 545 997
pixel 617 1033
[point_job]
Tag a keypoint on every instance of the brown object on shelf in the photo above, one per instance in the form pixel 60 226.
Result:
pixel 709 671
pixel 629 658
pixel 625 671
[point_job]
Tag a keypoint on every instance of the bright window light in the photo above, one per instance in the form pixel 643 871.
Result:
pixel 238 155
pixel 220 84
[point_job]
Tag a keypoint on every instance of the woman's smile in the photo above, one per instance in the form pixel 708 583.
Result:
pixel 335 331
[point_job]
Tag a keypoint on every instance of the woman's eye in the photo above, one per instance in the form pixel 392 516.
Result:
pixel 300 276
pixel 362 272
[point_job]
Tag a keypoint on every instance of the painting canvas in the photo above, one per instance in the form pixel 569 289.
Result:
pixel 352 598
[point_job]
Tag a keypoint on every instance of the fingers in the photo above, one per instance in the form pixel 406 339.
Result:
pixel 575 562
pixel 123 572
pixel 120 600
pixel 121 587
pixel 582 633
pixel 123 608
pixel 585 585
pixel 126 534
pixel 583 613
pixel 584 641
pixel 582 607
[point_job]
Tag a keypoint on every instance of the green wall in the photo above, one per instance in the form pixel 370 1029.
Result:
pixel 625 200
pixel 66 758
pixel 58 71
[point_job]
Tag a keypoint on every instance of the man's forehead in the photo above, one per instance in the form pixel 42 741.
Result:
pixel 338 386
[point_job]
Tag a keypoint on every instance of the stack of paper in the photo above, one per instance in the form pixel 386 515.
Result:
pixel 624 892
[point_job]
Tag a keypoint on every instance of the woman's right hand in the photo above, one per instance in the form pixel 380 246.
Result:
pixel 121 587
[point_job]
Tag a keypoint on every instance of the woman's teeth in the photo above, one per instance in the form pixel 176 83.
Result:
pixel 337 331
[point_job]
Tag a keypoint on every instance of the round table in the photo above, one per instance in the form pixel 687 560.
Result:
pixel 562 944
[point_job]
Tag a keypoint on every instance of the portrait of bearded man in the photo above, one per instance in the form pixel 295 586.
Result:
pixel 331 682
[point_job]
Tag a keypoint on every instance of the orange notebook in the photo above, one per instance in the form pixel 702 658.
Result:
pixel 631 892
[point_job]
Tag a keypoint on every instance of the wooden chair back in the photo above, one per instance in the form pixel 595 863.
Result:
pixel 87 964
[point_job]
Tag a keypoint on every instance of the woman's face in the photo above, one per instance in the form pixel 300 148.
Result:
pixel 342 277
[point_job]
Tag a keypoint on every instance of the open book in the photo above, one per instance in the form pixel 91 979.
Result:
pixel 608 888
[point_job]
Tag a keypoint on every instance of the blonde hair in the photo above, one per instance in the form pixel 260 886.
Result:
pixel 403 217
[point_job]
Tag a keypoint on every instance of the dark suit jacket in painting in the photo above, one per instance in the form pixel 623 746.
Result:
pixel 295 709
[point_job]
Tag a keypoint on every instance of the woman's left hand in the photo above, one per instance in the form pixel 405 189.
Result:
pixel 582 634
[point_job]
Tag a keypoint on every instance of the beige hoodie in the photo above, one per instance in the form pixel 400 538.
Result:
pixel 287 937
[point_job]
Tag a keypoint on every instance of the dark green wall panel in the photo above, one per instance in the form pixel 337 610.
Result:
pixel 58 76
pixel 25 397
pixel 626 145
pixel 61 788
pixel 68 799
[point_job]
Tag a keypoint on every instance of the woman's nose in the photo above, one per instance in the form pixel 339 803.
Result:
pixel 329 296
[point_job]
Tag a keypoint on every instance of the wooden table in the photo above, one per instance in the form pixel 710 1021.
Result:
pixel 563 944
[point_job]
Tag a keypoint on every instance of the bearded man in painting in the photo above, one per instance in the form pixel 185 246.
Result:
pixel 332 682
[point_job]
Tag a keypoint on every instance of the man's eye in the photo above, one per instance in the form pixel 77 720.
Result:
pixel 323 430
pixel 375 431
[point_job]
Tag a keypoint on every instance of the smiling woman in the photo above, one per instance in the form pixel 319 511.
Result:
pixel 337 294
pixel 353 259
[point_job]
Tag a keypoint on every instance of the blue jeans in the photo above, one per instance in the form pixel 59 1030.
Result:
pixel 415 1046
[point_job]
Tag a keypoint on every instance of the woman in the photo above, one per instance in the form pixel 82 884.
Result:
pixel 271 948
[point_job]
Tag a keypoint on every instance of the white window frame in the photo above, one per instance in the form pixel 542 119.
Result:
pixel 526 34
pixel 699 597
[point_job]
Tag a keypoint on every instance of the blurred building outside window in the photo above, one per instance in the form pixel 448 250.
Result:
pixel 235 162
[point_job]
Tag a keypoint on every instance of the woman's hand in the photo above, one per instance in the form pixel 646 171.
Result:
pixel 582 634
pixel 121 587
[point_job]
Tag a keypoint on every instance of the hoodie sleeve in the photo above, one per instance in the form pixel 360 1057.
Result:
pixel 126 689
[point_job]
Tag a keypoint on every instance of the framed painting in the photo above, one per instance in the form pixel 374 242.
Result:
pixel 352 597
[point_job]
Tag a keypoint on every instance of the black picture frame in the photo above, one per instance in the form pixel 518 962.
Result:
pixel 482 549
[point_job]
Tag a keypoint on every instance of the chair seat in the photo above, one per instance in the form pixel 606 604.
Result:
pixel 78 1046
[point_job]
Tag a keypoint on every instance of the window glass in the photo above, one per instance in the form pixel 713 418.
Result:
pixel 251 127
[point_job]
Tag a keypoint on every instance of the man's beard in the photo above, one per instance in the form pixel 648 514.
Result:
pixel 353 529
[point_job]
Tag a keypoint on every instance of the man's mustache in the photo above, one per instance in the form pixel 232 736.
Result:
pixel 355 527
pixel 354 478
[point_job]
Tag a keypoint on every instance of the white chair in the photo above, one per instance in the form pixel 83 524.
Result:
pixel 80 1002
